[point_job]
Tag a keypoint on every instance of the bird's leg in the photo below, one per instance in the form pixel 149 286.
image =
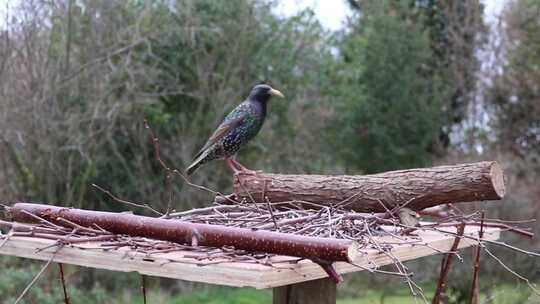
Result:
pixel 232 166
pixel 242 168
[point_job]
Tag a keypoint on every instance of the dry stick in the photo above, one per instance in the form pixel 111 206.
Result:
pixel 517 230
pixel 170 190
pixel 18 227
pixel 42 220
pixel 81 228
pixel 66 239
pixel 399 266
pixel 445 266
pixel 27 288
pixel 531 285
pixel 272 214
pixel 66 298
pixel 473 299
pixel 117 199
pixel 6 238
pixel 168 170
pixel 503 244
pixel 250 196
pixel 397 208
pixel 155 143
pixel 263 194
pixel 143 288
pixel 375 270
pixel 512 222
pixel 291 221
pixel 206 210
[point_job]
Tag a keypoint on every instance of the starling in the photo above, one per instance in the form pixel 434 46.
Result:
pixel 239 127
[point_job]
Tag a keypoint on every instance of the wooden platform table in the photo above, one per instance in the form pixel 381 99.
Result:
pixel 293 281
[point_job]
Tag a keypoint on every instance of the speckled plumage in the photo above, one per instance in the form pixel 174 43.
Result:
pixel 249 123
pixel 240 126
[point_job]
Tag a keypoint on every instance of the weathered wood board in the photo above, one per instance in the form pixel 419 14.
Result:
pixel 183 265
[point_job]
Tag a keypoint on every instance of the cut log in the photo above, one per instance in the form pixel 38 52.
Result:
pixel 317 249
pixel 417 188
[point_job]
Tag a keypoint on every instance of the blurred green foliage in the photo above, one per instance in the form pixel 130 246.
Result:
pixel 17 274
pixel 182 66
pixel 515 94
pixel 119 288
pixel 390 112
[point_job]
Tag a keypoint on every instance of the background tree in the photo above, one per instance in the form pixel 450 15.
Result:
pixel 390 107
pixel 515 94
pixel 82 76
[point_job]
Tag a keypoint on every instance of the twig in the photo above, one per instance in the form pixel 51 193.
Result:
pixel 6 238
pixel 61 268
pixel 503 244
pixel 473 299
pixel 67 239
pixel 74 225
pixel 249 194
pixel 42 220
pixel 115 198
pixel 157 153
pixel 169 178
pixel 36 277
pixel 272 214
pixel 493 225
pixel 375 270
pixel 143 287
pixel 531 286
pixel 399 266
pixel 445 266
pixel 396 209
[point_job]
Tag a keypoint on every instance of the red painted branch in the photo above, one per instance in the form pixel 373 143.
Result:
pixel 184 232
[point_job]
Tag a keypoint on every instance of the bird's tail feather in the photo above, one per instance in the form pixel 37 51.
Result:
pixel 196 164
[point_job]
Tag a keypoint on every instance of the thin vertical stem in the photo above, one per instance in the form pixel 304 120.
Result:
pixel 476 267
pixel 66 298
pixel 446 262
pixel 143 287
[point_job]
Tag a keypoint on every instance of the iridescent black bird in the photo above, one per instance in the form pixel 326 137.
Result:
pixel 239 127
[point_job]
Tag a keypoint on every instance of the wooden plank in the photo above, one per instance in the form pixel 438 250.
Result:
pixel 321 291
pixel 177 265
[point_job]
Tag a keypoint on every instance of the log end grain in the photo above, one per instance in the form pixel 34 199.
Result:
pixel 497 179
pixel 353 252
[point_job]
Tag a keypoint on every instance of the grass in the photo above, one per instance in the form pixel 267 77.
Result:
pixel 502 294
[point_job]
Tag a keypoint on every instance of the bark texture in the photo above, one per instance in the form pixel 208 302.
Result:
pixel 418 188
pixel 189 233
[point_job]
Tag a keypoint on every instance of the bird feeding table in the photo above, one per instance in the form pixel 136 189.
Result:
pixel 292 280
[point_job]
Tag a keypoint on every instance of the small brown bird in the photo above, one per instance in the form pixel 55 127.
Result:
pixel 408 217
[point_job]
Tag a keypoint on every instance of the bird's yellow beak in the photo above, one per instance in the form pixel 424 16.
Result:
pixel 275 92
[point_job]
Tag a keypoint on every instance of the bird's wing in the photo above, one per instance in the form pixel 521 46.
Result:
pixel 221 131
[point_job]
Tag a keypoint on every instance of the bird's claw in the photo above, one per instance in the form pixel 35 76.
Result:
pixel 248 171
